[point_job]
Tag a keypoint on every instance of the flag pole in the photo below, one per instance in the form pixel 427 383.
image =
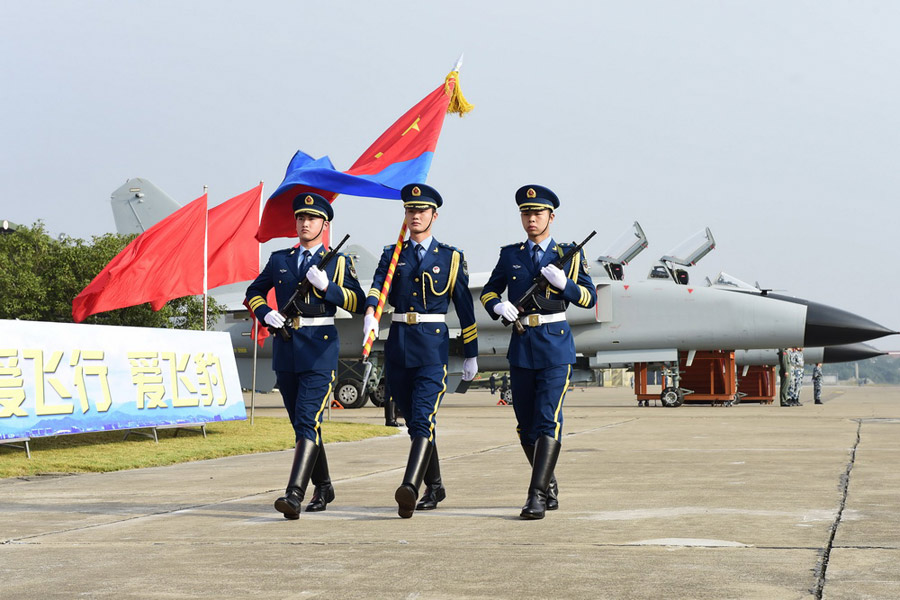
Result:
pixel 205 255
pixel 255 321
pixel 385 288
pixel 379 308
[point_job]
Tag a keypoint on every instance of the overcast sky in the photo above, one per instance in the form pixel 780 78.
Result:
pixel 776 124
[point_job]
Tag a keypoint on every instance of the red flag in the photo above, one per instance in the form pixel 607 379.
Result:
pixel 163 263
pixel 401 155
pixel 233 251
pixel 263 332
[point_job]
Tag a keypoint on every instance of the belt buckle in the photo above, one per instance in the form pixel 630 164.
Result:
pixel 534 320
pixel 296 323
pixel 412 318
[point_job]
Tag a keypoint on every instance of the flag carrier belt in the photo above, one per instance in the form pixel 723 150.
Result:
pixel 298 322
pixel 411 318
pixel 537 320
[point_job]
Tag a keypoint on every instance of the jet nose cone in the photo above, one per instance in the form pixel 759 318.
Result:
pixel 850 352
pixel 829 326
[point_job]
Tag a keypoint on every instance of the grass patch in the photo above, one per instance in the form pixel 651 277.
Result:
pixel 106 451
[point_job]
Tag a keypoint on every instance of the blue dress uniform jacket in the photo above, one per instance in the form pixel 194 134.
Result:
pixel 549 344
pixel 428 288
pixel 310 347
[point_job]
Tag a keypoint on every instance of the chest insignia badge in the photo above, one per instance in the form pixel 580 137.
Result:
pixel 436 269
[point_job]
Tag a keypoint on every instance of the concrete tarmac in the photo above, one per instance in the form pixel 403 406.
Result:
pixel 696 502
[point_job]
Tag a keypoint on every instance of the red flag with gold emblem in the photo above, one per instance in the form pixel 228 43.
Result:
pixel 401 155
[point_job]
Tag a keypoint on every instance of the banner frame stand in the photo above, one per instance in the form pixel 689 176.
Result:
pixel 11 442
pixel 176 426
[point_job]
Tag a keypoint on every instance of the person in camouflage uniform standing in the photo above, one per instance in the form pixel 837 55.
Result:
pixel 817 383
pixel 796 375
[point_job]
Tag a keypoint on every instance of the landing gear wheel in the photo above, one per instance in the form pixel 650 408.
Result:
pixel 506 396
pixel 376 394
pixel 348 394
pixel 671 397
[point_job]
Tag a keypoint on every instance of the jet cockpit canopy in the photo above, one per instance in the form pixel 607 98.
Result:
pixel 724 280
pixel 687 254
pixel 623 250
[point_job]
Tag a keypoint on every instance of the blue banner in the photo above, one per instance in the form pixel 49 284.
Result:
pixel 61 378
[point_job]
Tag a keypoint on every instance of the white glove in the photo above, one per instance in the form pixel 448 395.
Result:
pixel 470 369
pixel 506 310
pixel 317 277
pixel 274 319
pixel 370 324
pixel 555 276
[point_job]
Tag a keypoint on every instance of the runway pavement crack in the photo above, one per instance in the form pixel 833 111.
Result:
pixel 822 569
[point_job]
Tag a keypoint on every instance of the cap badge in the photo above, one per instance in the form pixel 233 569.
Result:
pixel 416 191
pixel 531 193
pixel 308 200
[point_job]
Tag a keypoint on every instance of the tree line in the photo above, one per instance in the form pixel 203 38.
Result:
pixel 40 276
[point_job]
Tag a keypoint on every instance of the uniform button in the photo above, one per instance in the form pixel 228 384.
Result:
pixel 514 277
pixel 411 308
pixel 437 330
pixel 326 337
pixel 561 331
pixel 416 280
pixel 415 294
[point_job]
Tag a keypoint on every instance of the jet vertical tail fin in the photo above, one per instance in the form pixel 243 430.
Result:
pixel 138 204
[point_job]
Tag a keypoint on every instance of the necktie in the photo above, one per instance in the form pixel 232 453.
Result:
pixel 304 262
pixel 537 257
pixel 420 253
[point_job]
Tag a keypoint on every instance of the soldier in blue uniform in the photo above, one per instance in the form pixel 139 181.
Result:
pixel 428 275
pixel 541 358
pixel 305 365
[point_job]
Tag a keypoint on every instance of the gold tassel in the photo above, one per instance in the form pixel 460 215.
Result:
pixel 458 103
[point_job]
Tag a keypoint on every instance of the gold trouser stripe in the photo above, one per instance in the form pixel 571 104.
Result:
pixel 559 404
pixel 437 404
pixel 321 408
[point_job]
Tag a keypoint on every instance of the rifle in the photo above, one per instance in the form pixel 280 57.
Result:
pixel 534 299
pixel 296 306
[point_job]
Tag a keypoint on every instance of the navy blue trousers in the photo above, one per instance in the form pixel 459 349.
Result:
pixel 305 397
pixel 418 392
pixel 538 396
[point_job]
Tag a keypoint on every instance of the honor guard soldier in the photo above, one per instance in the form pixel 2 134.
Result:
pixel 427 277
pixel 305 355
pixel 541 354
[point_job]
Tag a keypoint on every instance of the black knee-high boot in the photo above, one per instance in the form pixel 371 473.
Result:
pixel 553 488
pixel 546 451
pixel 390 414
pixel 304 458
pixel 434 487
pixel 408 492
pixel 324 491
